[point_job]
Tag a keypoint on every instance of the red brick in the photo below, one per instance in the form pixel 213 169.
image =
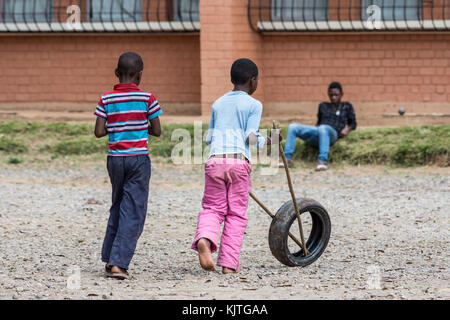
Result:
pixel 68 62
pixel 191 68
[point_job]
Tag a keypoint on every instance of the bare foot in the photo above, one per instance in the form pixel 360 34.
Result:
pixel 226 270
pixel 116 269
pixel 204 254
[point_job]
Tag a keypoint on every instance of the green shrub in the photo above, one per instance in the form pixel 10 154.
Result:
pixel 69 129
pixel 14 160
pixel 80 146
pixel 12 127
pixel 11 145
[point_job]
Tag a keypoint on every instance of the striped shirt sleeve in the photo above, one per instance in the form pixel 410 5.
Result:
pixel 100 111
pixel 154 109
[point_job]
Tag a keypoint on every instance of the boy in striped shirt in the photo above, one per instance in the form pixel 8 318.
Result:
pixel 127 115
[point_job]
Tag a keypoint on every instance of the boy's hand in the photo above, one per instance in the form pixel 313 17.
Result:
pixel 345 132
pixel 252 139
pixel 154 127
pixel 100 128
pixel 276 134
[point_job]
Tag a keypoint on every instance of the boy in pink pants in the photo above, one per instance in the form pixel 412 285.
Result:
pixel 233 128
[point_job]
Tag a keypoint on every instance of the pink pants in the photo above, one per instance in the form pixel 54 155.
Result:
pixel 227 185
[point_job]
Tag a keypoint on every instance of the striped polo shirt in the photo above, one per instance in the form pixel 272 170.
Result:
pixel 126 110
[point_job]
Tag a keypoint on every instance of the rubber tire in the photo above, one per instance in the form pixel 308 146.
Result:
pixel 317 240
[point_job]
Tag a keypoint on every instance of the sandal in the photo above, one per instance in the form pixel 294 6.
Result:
pixel 108 269
pixel 281 164
pixel 120 275
pixel 116 275
pixel 322 167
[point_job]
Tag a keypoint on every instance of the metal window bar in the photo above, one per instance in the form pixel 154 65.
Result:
pixel 303 16
pixel 432 14
pixel 443 12
pixel 99 16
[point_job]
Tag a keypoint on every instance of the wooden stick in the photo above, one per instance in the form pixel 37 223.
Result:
pixel 273 216
pixel 262 205
pixel 294 199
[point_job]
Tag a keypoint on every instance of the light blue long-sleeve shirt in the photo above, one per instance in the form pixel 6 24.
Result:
pixel 234 117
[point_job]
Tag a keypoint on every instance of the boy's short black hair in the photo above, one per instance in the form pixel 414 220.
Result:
pixel 335 85
pixel 129 64
pixel 242 70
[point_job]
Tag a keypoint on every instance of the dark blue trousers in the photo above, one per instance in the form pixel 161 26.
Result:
pixel 130 178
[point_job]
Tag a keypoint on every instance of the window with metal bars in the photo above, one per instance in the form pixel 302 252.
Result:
pixel 115 10
pixel 300 10
pixel 394 9
pixel 349 15
pixel 99 16
pixel 186 10
pixel 26 10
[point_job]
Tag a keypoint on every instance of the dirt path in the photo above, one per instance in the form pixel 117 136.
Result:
pixel 396 222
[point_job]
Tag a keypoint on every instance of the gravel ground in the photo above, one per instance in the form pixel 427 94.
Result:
pixel 394 222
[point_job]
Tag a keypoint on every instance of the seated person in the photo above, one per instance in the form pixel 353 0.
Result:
pixel 334 120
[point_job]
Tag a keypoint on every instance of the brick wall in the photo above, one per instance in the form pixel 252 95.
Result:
pixel 72 71
pixel 224 37
pixel 377 71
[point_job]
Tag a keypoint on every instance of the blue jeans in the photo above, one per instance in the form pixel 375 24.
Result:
pixel 130 179
pixel 322 136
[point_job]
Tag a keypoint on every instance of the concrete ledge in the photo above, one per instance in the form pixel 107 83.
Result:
pixel 354 26
pixel 170 108
pixel 141 26
pixel 309 108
